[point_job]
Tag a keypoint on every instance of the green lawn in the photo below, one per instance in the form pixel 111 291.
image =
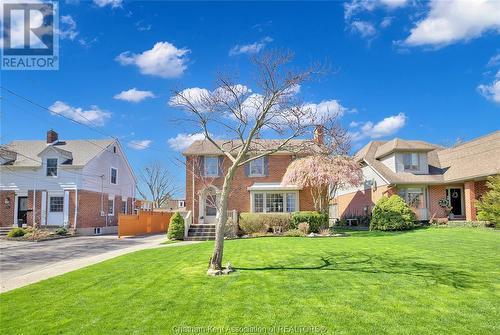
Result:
pixel 427 281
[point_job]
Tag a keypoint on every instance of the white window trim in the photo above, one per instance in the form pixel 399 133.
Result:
pixel 284 193
pixel 111 176
pixel 205 172
pixel 250 174
pixel 47 167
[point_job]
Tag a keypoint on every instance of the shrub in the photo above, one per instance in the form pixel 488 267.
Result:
pixel 304 227
pixel 230 228
pixel 61 231
pixel 489 205
pixel 176 227
pixel 294 233
pixel 16 232
pixel 252 223
pixel 325 232
pixel 315 220
pixel 392 214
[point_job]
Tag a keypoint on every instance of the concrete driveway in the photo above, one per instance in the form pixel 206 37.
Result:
pixel 23 263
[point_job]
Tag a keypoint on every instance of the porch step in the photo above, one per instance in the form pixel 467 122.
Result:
pixel 201 232
pixel 5 230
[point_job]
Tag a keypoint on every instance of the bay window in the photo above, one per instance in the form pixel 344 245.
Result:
pixel 274 202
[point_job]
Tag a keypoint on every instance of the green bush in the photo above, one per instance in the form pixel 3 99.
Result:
pixel 61 231
pixel 16 232
pixel 176 227
pixel 316 220
pixel 294 233
pixel 392 214
pixel 252 223
pixel 488 207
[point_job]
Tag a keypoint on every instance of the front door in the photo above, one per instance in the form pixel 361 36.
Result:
pixel 210 208
pixel 22 211
pixel 55 215
pixel 455 196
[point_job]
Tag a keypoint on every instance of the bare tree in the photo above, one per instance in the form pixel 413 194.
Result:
pixel 242 114
pixel 156 184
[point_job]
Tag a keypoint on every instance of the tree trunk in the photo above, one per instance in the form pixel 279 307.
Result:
pixel 216 259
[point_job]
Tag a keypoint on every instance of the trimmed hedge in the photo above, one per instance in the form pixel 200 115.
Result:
pixel 253 223
pixel 316 220
pixel 176 227
pixel 392 214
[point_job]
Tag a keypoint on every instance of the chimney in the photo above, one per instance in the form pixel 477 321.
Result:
pixel 52 136
pixel 319 134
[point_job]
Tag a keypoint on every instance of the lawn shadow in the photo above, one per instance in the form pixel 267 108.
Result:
pixel 381 264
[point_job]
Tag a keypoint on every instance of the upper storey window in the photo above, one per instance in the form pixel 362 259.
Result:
pixel 211 164
pixel 411 161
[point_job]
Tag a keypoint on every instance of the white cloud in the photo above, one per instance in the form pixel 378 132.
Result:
pixel 93 116
pixel 67 27
pixel 250 48
pixel 388 126
pixel 491 91
pixel 139 144
pixel 494 60
pixel 198 96
pixel 134 95
pixel 355 7
pixel 386 21
pixel 452 21
pixel 363 28
pixel 163 60
pixel 142 26
pixel 327 109
pixel 112 3
pixel 182 141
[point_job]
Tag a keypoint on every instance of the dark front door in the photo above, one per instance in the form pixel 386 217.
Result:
pixel 22 211
pixel 455 195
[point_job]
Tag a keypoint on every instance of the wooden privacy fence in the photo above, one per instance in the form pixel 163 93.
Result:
pixel 143 223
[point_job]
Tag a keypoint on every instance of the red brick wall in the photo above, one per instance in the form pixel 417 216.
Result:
pixel 436 193
pixel 7 210
pixel 356 202
pixel 239 198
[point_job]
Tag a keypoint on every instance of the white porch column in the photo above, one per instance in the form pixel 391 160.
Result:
pixel 66 208
pixel 43 210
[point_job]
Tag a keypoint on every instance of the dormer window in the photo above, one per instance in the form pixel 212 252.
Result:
pixel 411 161
pixel 52 167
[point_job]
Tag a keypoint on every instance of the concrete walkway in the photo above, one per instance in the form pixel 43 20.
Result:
pixel 24 263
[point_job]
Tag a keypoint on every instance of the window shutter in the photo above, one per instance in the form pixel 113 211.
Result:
pixel 266 166
pixel 201 166
pixel 221 165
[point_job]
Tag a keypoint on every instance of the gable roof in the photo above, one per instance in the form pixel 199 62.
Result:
pixel 474 159
pixel 205 147
pixel 80 151
pixel 398 144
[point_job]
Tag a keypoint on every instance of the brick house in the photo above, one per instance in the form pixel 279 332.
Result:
pixel 79 184
pixel 423 173
pixel 256 186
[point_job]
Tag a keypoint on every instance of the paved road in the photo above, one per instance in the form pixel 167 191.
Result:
pixel 23 263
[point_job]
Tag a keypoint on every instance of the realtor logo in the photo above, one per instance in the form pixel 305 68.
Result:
pixel 29 36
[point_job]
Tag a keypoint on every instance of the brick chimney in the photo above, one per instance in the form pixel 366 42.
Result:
pixel 319 134
pixel 52 136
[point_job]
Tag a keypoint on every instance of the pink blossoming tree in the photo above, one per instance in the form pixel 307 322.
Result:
pixel 324 175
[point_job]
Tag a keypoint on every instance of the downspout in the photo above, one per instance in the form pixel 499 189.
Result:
pixel 192 195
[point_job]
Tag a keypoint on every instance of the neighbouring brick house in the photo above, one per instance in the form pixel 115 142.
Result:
pixel 256 186
pixel 423 174
pixel 79 184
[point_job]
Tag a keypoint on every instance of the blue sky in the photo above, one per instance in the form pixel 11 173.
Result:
pixel 414 70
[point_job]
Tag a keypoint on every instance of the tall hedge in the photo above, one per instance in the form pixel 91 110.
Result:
pixel 316 220
pixel 392 214
pixel 176 227
pixel 489 205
